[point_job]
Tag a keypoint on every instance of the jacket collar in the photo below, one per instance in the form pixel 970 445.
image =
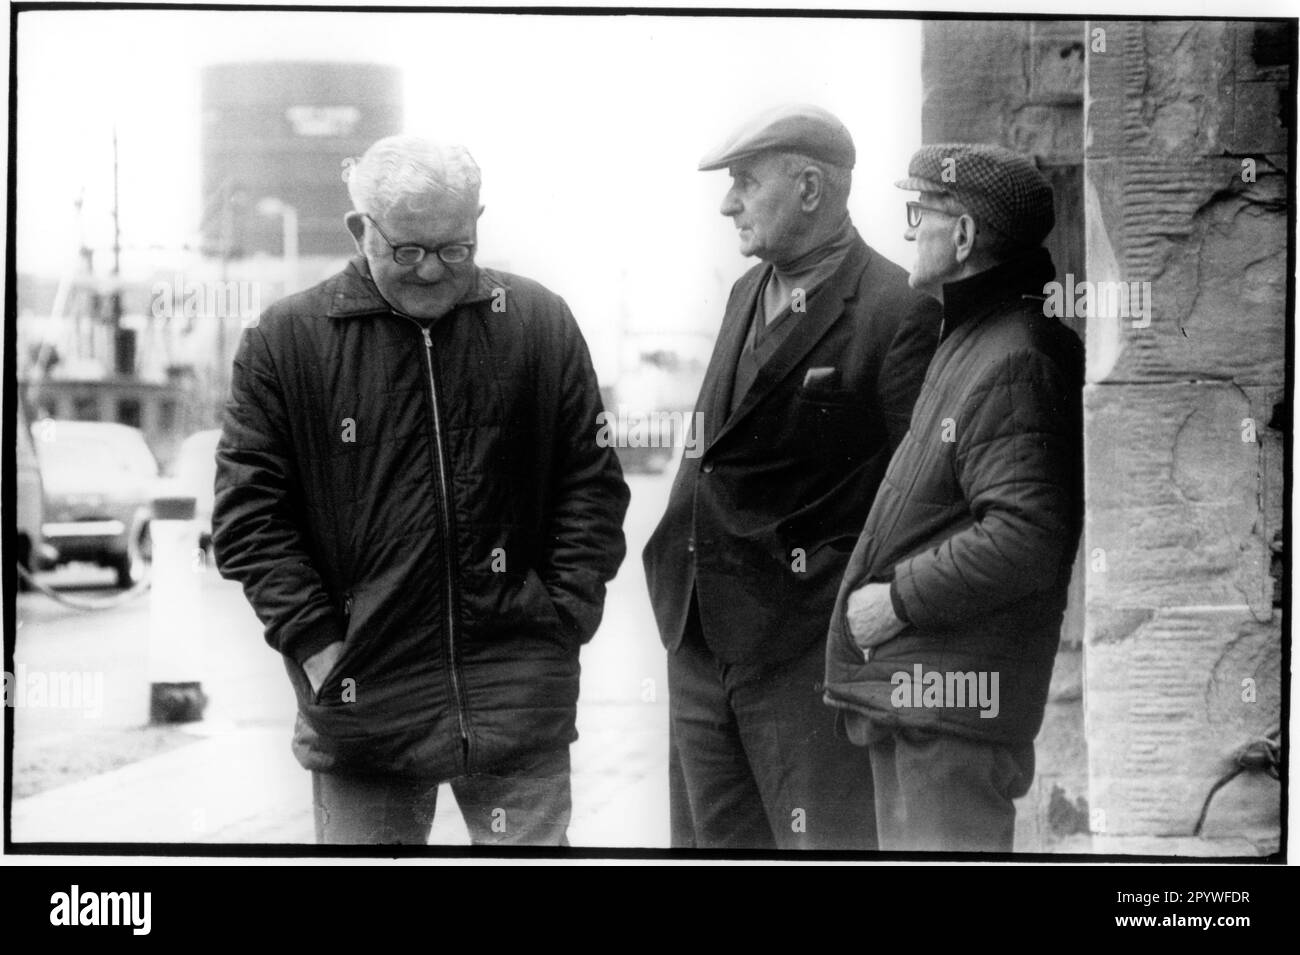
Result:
pixel 826 306
pixel 972 298
pixel 353 292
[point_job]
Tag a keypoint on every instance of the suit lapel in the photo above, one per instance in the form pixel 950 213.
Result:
pixel 824 310
pixel 720 377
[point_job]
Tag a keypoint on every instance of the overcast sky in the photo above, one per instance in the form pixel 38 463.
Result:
pixel 588 131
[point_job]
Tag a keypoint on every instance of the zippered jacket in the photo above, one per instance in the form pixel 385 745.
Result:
pixel 434 497
pixel 976 523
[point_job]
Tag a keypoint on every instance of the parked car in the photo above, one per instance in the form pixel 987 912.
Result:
pixel 30 548
pixel 196 473
pixel 99 481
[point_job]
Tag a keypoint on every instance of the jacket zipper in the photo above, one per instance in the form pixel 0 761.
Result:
pixel 448 554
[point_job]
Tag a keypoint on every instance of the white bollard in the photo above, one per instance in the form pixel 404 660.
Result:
pixel 175 641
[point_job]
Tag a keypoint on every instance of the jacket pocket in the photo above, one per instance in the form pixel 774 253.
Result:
pixel 545 613
pixel 382 730
pixel 331 687
pixel 526 607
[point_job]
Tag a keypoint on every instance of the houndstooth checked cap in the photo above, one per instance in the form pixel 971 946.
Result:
pixel 1000 188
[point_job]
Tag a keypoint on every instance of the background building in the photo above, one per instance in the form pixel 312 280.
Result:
pixel 281 132
pixel 149 343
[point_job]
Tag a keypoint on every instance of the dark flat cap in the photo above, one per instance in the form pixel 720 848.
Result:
pixel 793 128
pixel 1000 188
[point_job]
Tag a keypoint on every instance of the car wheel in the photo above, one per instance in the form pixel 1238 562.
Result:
pixel 144 544
pixel 132 566
pixel 25 562
pixel 128 570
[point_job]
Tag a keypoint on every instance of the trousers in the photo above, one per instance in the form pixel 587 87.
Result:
pixel 526 803
pixel 943 793
pixel 754 759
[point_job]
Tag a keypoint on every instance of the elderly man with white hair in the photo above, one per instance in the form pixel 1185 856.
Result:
pixel 411 493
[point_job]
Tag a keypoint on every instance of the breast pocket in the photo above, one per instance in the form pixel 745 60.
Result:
pixel 827 420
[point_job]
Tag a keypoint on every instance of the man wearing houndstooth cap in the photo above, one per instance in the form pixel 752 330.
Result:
pixel 947 621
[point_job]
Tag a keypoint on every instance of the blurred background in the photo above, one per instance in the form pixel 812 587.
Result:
pixel 178 171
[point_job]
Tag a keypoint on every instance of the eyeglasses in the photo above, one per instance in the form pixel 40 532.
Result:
pixel 914 213
pixel 411 254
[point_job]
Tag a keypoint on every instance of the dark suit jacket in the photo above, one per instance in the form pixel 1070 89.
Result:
pixel 762 522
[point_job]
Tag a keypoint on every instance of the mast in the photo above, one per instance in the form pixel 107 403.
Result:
pixel 117 224
pixel 122 345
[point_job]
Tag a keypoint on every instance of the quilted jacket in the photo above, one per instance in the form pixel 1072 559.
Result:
pixel 436 499
pixel 976 522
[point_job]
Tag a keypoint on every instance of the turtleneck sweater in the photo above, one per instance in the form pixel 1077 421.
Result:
pixel 806 272
pixel 774 319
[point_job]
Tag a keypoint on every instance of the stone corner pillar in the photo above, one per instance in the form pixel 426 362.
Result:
pixel 1185 200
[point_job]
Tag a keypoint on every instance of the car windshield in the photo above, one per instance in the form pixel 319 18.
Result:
pixel 96 454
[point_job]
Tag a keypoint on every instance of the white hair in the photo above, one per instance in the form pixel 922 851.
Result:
pixel 412 172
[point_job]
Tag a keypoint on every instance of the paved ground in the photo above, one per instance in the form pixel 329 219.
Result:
pixel 241 785
pixel 237 782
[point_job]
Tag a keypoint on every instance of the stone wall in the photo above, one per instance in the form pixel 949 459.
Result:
pixel 1167 684
pixel 1185 189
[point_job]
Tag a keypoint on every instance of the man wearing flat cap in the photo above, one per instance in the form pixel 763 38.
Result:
pixel 818 361
pixel 946 627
